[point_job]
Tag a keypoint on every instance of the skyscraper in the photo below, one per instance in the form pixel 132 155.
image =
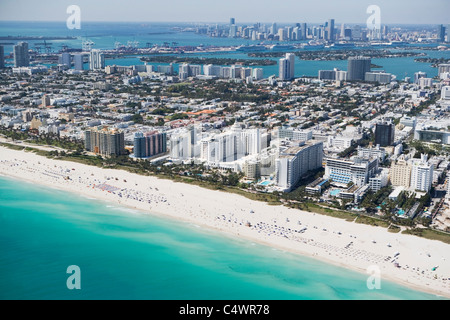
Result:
pixel 448 36
pixel 295 162
pixel 104 141
pixel 296 34
pixel 303 31
pixel 385 31
pixel 421 174
pixel 419 75
pixel 348 34
pixel 21 57
pixel 441 33
pixel 286 67
pixel 257 73
pixel 150 144
pixel 183 144
pixel 233 31
pixel 342 34
pixel 66 59
pixel 442 68
pixel 357 68
pixel 283 69
pixel 78 61
pixel 274 28
pixel 400 173
pixel 96 60
pixel 357 33
pixel 291 58
pixel 384 134
pixel 183 71
pixel 289 33
pixel 2 57
pixel 233 28
pixel 331 30
pixel 282 34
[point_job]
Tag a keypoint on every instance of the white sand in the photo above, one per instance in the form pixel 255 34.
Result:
pixel 351 245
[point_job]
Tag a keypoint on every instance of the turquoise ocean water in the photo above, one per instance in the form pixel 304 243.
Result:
pixel 126 254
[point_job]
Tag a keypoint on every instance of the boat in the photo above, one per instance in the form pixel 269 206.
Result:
pixel 315 44
pixel 379 44
pixel 251 48
pixel 281 47
pixel 343 45
pixel 398 43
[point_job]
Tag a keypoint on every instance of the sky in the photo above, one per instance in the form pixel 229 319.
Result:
pixel 244 11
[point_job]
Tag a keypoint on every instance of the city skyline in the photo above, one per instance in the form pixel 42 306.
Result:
pixel 201 11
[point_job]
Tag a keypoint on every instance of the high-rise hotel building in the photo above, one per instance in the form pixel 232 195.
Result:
pixel 295 162
pixel 400 173
pixel 421 174
pixel 414 174
pixel 183 143
pixel 294 134
pixel 357 170
pixel 149 144
pixel 104 141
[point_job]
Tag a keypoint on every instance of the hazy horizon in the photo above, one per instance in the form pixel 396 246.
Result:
pixel 337 23
pixel 414 12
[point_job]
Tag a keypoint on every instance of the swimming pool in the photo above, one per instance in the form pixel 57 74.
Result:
pixel 334 193
pixel 265 183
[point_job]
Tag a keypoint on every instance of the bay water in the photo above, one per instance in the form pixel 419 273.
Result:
pixel 105 35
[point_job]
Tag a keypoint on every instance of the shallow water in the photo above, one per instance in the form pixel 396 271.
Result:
pixel 128 254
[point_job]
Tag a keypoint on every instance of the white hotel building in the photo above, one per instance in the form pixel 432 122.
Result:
pixel 421 174
pixel 358 170
pixel 250 151
pixel 294 134
pixel 294 162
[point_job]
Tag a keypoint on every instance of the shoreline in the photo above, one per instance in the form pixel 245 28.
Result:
pixel 330 240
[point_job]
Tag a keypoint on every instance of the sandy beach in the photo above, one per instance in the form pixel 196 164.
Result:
pixel 416 262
